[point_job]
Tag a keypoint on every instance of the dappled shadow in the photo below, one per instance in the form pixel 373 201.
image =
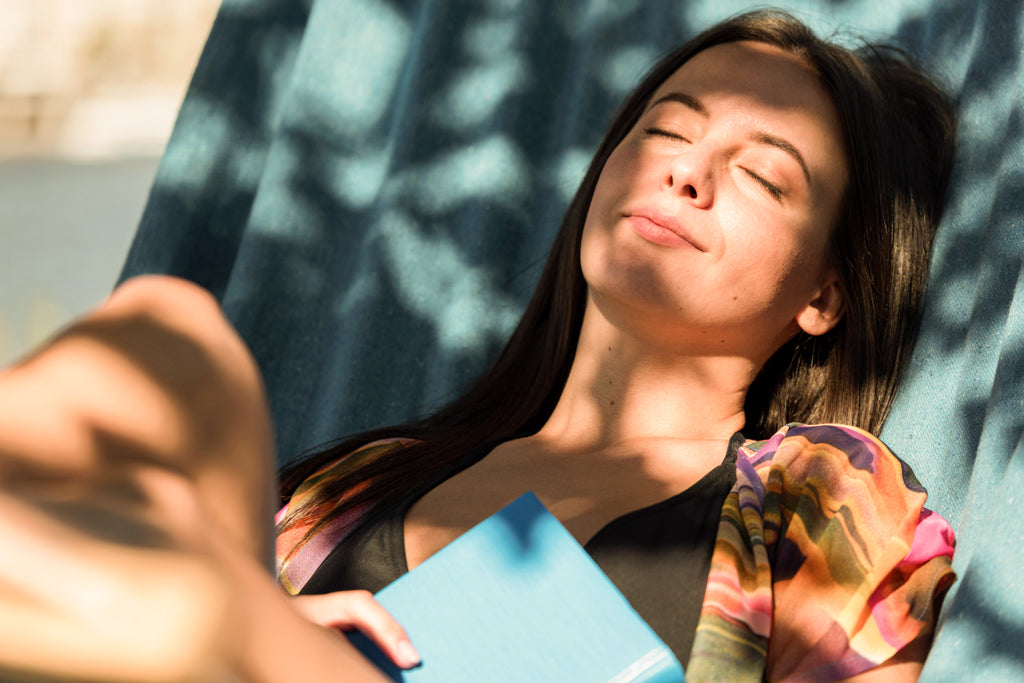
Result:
pixel 399 211
pixel 969 338
pixel 370 187
pixel 959 419
pixel 205 185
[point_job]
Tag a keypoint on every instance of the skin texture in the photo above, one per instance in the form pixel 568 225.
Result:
pixel 757 222
pixel 135 480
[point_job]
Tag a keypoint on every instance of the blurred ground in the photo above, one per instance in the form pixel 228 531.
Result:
pixel 89 90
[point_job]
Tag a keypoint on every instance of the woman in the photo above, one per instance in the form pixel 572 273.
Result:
pixel 747 249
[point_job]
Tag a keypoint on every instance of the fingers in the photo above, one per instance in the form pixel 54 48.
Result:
pixel 350 610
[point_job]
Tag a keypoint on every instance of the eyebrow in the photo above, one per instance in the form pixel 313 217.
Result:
pixel 786 146
pixel 683 99
pixel 763 138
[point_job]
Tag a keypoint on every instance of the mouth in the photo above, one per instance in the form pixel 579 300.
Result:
pixel 661 229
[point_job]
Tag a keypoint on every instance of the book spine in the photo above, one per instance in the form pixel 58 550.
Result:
pixel 657 666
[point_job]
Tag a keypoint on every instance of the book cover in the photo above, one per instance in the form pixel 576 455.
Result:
pixel 516 598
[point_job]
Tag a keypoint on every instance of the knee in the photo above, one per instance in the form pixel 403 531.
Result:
pixel 189 346
pixel 154 379
pixel 180 332
pixel 157 360
pixel 141 367
pixel 166 299
pixel 177 324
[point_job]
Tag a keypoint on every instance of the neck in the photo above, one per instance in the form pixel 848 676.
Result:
pixel 623 388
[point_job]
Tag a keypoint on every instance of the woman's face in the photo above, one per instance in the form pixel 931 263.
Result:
pixel 710 220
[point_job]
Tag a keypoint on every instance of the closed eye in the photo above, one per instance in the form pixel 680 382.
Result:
pixel 662 133
pixel 772 189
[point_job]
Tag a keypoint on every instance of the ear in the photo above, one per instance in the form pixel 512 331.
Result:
pixel 825 310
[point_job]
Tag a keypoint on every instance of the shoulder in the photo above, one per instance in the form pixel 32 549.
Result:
pixel 844 438
pixel 331 471
pixel 808 478
pixel 309 527
pixel 830 453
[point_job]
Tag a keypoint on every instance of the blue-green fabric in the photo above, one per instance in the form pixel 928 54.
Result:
pixel 370 187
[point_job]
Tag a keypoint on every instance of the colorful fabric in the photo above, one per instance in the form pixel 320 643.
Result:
pixel 826 562
pixel 298 560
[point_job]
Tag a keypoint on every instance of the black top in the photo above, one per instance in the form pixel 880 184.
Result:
pixel 658 556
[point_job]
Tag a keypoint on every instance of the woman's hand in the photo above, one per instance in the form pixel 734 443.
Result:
pixel 349 610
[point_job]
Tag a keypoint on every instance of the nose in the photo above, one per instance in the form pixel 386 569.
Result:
pixel 690 174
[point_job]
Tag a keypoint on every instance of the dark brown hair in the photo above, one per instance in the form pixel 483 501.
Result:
pixel 899 133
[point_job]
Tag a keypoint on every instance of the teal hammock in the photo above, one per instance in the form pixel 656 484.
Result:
pixel 370 188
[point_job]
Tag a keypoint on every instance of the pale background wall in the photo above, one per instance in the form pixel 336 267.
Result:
pixel 89 90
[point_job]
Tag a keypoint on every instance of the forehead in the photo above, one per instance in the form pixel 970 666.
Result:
pixel 757 71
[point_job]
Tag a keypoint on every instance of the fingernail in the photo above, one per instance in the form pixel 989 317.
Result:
pixel 407 655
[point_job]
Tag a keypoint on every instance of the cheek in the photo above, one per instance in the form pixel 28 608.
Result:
pixel 621 173
pixel 772 259
pixel 594 245
pixel 611 188
pixel 787 274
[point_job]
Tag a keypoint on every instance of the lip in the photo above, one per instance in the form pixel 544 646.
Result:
pixel 661 229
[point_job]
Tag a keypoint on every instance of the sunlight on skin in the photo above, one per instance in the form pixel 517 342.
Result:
pixel 82 598
pixel 135 460
pixel 944 388
pixel 94 456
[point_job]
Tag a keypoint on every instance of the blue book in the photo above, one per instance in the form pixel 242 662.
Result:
pixel 516 598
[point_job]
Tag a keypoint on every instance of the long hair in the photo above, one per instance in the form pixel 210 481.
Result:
pixel 899 134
